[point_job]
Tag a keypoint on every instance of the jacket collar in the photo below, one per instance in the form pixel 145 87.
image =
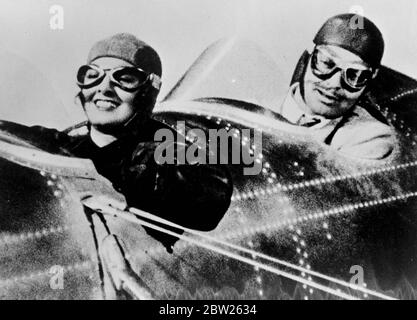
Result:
pixel 84 146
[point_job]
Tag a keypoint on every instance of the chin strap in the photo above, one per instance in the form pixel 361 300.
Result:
pixel 153 81
pixel 130 120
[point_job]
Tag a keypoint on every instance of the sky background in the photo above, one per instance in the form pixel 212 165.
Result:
pixel 38 65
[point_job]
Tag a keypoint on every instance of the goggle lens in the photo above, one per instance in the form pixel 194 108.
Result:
pixel 127 78
pixel 322 64
pixel 357 78
pixel 130 78
pixel 324 67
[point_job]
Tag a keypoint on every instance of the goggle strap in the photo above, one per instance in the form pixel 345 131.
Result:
pixel 155 80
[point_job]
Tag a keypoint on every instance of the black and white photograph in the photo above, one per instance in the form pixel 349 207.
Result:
pixel 205 150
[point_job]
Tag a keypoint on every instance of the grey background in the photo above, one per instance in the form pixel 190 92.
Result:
pixel 38 65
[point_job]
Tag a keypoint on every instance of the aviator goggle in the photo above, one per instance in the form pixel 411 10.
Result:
pixel 127 78
pixel 324 67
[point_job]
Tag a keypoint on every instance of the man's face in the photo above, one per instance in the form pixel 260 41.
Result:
pixel 107 106
pixel 330 96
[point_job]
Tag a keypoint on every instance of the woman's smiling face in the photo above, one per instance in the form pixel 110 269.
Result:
pixel 106 105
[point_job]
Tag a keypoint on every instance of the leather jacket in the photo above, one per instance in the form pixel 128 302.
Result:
pixel 195 196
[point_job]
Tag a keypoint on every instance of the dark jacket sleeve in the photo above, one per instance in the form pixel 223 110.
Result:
pixel 50 140
pixel 195 196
